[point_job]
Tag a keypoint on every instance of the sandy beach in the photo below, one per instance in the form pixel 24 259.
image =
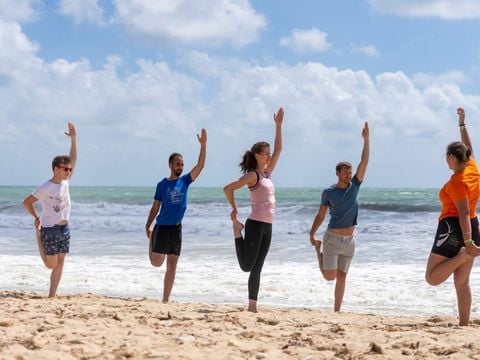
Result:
pixel 88 326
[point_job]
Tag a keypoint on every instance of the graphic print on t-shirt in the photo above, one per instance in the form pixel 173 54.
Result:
pixel 175 196
pixel 61 203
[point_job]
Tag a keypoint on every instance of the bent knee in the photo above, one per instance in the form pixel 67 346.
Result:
pixel 157 260
pixel 330 275
pixel 432 281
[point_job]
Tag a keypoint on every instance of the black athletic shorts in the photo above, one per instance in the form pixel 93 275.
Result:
pixel 449 239
pixel 167 239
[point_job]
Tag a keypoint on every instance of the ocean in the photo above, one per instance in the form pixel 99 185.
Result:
pixel 109 251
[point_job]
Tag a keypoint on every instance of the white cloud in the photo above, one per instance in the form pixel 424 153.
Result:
pixel 449 77
pixel 213 22
pixel 368 50
pixel 18 10
pixel 445 9
pixel 84 11
pixel 306 41
pixel 128 125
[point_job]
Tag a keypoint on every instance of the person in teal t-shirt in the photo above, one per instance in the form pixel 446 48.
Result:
pixel 338 241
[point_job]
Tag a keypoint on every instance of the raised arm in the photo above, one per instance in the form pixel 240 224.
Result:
pixel 278 119
pixel 248 179
pixel 465 138
pixel 72 134
pixel 362 166
pixel 197 169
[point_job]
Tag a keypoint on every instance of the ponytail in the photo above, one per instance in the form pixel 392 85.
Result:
pixel 460 151
pixel 249 162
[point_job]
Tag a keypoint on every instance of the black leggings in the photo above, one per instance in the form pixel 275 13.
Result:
pixel 252 251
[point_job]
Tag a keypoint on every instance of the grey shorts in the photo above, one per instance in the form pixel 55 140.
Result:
pixel 55 239
pixel 338 251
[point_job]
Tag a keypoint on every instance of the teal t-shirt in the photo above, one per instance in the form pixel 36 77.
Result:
pixel 343 204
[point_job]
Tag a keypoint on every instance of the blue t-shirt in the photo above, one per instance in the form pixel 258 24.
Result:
pixel 173 196
pixel 343 204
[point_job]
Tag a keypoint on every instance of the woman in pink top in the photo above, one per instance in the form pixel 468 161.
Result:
pixel 257 166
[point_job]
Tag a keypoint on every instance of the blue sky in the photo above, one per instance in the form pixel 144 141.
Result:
pixel 140 78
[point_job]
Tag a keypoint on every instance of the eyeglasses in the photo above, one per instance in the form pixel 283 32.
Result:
pixel 65 168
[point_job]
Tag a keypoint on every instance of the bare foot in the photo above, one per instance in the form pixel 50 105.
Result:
pixel 464 255
pixel 237 229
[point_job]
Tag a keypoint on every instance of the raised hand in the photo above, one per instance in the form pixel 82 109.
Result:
pixel 71 130
pixel 365 131
pixel 202 139
pixel 461 116
pixel 278 117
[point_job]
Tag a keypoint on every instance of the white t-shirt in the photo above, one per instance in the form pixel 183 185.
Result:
pixel 55 200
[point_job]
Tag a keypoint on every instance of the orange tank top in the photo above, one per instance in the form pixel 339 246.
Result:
pixel 462 185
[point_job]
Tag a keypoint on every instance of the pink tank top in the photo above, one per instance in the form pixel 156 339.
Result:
pixel 262 198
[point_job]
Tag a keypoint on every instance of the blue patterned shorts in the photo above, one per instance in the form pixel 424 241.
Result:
pixel 56 239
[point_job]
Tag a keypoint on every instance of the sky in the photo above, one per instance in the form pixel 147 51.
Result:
pixel 140 78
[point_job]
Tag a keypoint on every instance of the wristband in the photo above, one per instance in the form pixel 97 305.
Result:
pixel 461 125
pixel 37 217
pixel 468 242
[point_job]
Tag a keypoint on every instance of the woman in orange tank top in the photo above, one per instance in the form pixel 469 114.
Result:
pixel 457 240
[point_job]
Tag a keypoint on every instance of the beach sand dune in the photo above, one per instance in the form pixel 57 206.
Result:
pixel 88 326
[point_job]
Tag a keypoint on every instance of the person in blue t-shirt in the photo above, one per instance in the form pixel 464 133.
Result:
pixel 171 200
pixel 339 240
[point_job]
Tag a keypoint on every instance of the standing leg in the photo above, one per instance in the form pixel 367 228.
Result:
pixel 339 289
pixel 169 279
pixel 461 278
pixel 56 274
pixel 254 278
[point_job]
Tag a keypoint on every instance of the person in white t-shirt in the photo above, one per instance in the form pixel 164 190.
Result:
pixel 52 228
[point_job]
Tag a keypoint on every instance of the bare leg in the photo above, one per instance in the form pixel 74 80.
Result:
pixel 320 258
pixel 156 259
pixel 38 236
pixel 237 229
pixel 169 279
pixel 464 296
pixel 439 268
pixel 339 289
pixel 252 306
pixel 56 275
